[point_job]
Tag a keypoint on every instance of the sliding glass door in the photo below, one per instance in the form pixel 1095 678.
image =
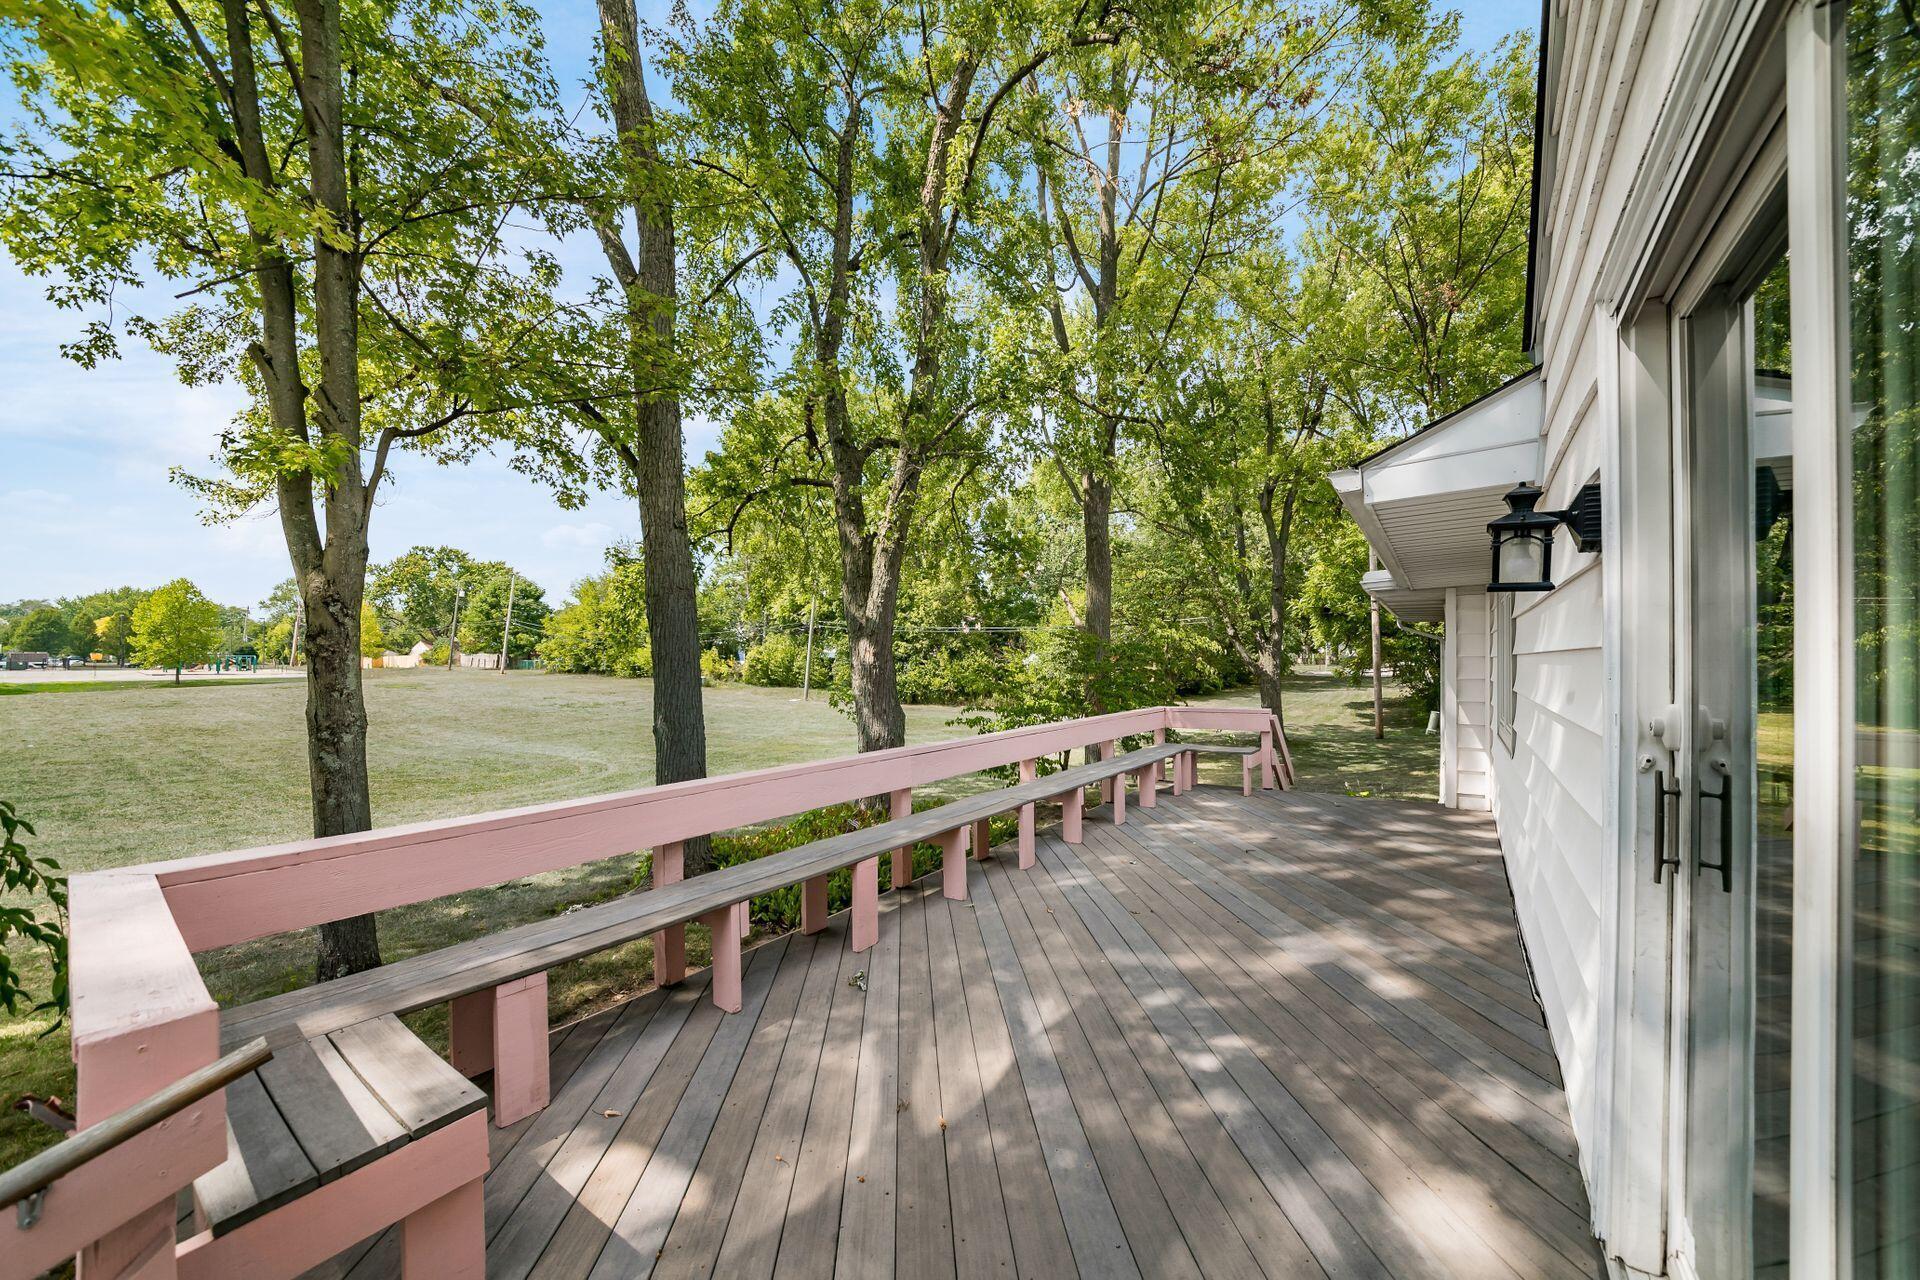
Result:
pixel 1882 1047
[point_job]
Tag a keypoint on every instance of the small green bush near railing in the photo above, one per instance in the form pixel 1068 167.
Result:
pixel 779 911
pixel 29 882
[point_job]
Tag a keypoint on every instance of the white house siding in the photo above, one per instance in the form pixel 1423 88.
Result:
pixel 1615 61
pixel 1466 713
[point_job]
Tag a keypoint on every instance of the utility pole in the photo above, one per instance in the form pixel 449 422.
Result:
pixel 453 632
pixel 806 673
pixel 1379 716
pixel 513 580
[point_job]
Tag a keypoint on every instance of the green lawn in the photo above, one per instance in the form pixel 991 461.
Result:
pixel 113 774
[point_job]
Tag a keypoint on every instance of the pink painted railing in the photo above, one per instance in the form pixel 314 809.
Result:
pixel 142 1017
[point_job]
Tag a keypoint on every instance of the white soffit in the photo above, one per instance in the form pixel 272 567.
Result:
pixel 1424 503
pixel 1405 604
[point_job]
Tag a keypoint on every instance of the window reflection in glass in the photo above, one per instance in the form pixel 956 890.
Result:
pixel 1883 108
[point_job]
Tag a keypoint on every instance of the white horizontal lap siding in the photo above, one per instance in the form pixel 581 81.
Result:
pixel 1549 798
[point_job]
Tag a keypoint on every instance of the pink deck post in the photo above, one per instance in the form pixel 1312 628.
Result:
pixel 1120 800
pixel 1149 785
pixel 1029 770
pixel 1071 805
pixel 448 1237
pixel 902 858
pixel 1106 784
pixel 813 904
pixel 724 926
pixel 1153 774
pixel 953 864
pixel 1246 775
pixel 983 839
pixel 1266 759
pixel 866 904
pixel 670 944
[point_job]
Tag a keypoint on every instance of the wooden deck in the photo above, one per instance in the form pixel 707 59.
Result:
pixel 1283 1036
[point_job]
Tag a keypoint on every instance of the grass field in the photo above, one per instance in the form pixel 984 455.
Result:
pixel 112 774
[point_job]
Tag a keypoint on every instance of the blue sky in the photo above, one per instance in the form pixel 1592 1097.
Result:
pixel 85 499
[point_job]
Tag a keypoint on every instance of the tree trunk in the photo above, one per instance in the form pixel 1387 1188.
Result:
pixel 880 722
pixel 656 455
pixel 673 621
pixel 1096 518
pixel 337 759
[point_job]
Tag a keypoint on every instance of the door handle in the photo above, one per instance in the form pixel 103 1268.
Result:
pixel 1724 796
pixel 1663 795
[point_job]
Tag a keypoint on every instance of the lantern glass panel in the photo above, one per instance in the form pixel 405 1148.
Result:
pixel 1523 559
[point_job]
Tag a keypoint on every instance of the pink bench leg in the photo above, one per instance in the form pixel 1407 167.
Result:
pixel 447 1238
pixel 902 858
pixel 813 904
pixel 1149 784
pixel 670 944
pixel 1029 815
pixel 1071 805
pixel 1266 760
pixel 519 1017
pixel 983 840
pixel 1120 800
pixel 724 926
pixel 1246 775
pixel 866 903
pixel 953 864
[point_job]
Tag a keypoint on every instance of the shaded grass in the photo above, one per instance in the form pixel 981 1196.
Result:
pixel 159 771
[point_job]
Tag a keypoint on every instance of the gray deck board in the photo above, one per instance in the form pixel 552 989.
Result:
pixel 1347 1080
pixel 1248 1038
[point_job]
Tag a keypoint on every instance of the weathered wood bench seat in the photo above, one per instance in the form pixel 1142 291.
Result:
pixel 351 1094
pixel 1185 777
pixel 359 1128
pixel 526 951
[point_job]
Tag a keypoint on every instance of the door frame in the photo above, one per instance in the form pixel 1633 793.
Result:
pixel 1709 732
pixel 1737 156
pixel 1823 737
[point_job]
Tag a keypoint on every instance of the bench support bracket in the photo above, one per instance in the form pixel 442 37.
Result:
pixel 866 904
pixel 725 926
pixel 504 1028
pixel 813 904
pixel 953 864
pixel 1029 770
pixel 670 944
pixel 902 859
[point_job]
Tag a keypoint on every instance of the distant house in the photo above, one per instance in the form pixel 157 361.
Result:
pixel 411 658
pixel 21 659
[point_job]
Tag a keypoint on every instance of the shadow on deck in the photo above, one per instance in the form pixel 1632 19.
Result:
pixel 1281 1036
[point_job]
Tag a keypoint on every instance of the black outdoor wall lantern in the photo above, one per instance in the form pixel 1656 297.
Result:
pixel 1523 538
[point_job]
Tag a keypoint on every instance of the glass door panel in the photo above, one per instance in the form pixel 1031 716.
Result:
pixel 1883 137
pixel 1736 780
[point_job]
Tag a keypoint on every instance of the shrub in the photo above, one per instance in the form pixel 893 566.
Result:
pixel 634 663
pixel 777 662
pixel 37 878
pixel 717 667
pixel 779 911
pixel 436 656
